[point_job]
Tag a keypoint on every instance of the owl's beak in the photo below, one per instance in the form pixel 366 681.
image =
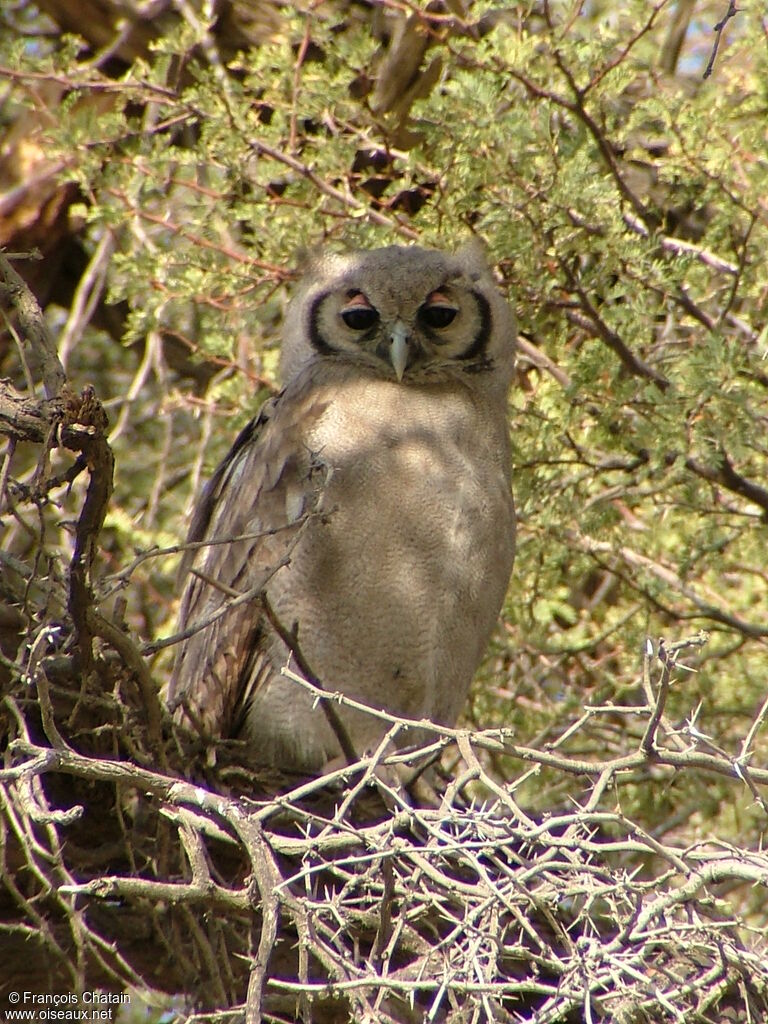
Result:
pixel 398 351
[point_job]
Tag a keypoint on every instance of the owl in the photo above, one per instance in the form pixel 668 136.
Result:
pixel 361 530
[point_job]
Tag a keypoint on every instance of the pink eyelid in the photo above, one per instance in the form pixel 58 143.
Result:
pixel 359 301
pixel 356 301
pixel 438 298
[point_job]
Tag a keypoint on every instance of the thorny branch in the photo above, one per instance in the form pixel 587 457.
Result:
pixel 476 905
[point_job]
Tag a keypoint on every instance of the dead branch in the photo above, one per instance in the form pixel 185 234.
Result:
pixel 718 29
pixel 322 892
pixel 76 421
pixel 35 335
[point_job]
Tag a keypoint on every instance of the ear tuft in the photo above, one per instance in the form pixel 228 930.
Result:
pixel 472 256
pixel 307 259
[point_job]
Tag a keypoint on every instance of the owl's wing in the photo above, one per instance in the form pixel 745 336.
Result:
pixel 246 523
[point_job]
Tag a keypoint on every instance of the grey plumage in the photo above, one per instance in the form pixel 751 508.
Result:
pixel 371 501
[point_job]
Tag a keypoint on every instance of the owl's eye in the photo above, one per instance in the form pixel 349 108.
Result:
pixel 438 311
pixel 358 315
pixel 360 318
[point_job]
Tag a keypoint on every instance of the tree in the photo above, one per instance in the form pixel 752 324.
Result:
pixel 167 165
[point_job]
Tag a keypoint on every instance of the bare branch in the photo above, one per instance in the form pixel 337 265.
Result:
pixel 718 29
pixel 34 330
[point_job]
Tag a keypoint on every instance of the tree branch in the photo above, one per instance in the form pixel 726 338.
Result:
pixel 718 30
pixel 725 475
pixel 77 421
pixel 34 330
pixel 633 362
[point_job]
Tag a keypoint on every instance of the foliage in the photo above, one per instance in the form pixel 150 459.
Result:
pixel 173 171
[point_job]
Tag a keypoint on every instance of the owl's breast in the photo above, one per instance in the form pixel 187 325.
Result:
pixel 411 560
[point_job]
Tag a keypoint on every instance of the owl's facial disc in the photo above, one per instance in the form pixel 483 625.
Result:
pixel 402 325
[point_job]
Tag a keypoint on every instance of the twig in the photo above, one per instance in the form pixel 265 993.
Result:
pixel 542 360
pixel 683 248
pixel 667 660
pixel 633 362
pixel 718 29
pixel 101 466
pixel 133 659
pixel 636 560
pixel 267 878
pixel 291 641
pixel 109 887
pixel 87 296
pixel 234 600
pixel 345 199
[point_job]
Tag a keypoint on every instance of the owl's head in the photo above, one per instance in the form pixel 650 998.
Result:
pixel 408 313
